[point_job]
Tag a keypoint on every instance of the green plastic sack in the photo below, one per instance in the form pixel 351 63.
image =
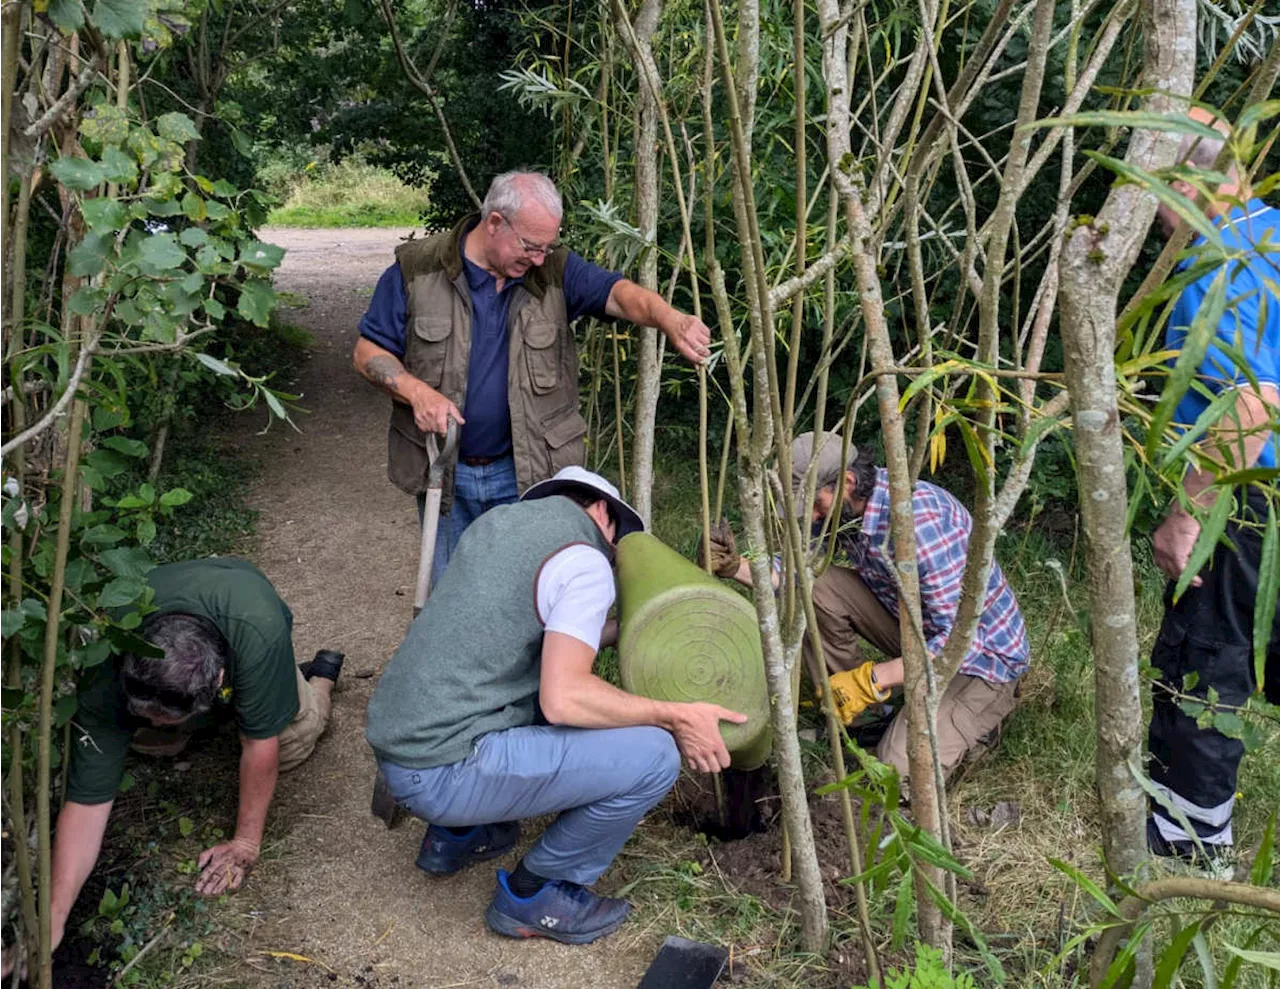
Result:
pixel 684 636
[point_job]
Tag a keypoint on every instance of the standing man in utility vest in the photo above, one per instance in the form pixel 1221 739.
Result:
pixel 474 324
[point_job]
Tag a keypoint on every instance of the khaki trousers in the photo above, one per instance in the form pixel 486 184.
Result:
pixel 971 709
pixel 297 741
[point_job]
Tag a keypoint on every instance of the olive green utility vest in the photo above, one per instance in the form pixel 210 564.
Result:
pixel 547 430
pixel 471 662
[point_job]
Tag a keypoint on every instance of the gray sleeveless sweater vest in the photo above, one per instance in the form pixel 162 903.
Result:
pixel 471 661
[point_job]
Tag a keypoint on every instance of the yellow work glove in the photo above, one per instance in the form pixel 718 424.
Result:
pixel 854 692
pixel 724 551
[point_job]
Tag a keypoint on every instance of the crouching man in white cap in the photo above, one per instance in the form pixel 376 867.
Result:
pixel 489 712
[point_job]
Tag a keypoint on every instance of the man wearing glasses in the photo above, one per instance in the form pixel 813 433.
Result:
pixel 474 324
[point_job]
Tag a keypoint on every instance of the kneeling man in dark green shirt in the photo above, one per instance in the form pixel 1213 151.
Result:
pixel 228 654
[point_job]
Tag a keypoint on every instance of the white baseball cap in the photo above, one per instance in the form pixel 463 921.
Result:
pixel 629 520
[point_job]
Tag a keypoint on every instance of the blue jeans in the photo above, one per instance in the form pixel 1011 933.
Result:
pixel 475 491
pixel 601 782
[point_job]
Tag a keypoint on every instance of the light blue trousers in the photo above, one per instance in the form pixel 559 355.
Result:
pixel 475 491
pixel 601 782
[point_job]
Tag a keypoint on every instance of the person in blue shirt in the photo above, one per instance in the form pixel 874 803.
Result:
pixel 474 324
pixel 1209 630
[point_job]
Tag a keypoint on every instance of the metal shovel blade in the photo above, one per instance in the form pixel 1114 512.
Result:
pixel 384 806
pixel 685 964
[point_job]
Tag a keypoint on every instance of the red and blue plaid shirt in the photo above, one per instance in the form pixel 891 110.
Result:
pixel 999 651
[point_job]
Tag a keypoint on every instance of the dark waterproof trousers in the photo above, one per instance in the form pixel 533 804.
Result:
pixel 1209 632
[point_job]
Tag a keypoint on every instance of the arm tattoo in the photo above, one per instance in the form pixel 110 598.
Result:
pixel 383 371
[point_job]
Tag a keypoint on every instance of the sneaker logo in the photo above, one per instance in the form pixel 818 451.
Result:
pixel 479 849
pixel 548 921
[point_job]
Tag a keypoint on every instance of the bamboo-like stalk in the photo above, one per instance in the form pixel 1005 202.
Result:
pixel 15 263
pixel 835 736
pixel 44 754
pixel 11 19
pixel 709 232
pixel 797 327
pixel 802 195
pixel 606 85
pixel 916 667
pixel 617 412
pixel 10 26
pixel 17 778
pixel 760 439
pixel 982 538
pixel 648 356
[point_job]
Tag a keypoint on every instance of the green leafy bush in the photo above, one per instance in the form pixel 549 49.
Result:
pixel 929 973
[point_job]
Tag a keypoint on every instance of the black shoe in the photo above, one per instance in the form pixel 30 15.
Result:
pixel 444 852
pixel 327 665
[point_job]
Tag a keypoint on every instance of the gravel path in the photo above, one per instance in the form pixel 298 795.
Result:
pixel 340 543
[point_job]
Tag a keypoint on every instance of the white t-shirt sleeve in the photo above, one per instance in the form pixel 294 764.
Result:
pixel 575 592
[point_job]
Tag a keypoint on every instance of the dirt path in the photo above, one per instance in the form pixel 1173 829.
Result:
pixel 339 542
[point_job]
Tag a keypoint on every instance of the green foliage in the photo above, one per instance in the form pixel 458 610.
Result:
pixel 929 972
pixel 902 851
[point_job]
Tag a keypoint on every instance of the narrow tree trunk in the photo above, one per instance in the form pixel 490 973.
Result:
pixel 648 356
pixel 756 441
pixel 1093 265
pixel 53 628
pixel 926 800
pixel 160 439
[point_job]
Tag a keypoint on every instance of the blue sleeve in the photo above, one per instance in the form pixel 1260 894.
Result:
pixel 587 287
pixel 1256 309
pixel 383 322
pixel 1248 326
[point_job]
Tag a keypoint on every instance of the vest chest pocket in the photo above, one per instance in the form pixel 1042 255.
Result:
pixel 565 431
pixel 542 356
pixel 430 349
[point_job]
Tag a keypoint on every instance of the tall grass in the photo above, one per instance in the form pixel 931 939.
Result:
pixel 351 193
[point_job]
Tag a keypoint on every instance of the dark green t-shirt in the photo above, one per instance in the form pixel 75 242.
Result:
pixel 260 686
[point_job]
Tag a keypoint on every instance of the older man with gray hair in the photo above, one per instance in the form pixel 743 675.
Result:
pixel 857 598
pixel 474 324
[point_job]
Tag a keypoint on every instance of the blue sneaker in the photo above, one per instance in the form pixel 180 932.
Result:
pixel 444 852
pixel 561 910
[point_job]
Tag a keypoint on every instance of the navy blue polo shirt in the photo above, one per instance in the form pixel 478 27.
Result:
pixel 1250 326
pixel 487 432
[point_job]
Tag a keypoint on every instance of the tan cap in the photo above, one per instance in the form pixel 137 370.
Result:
pixel 830 466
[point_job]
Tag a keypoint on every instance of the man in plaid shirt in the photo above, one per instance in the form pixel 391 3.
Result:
pixel 857 597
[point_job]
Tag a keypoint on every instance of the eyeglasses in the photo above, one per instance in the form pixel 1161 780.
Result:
pixel 532 250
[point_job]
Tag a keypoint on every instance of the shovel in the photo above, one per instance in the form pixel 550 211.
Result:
pixel 431 516
pixel 383 805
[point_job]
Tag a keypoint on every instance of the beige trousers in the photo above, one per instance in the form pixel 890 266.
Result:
pixel 297 741
pixel 971 709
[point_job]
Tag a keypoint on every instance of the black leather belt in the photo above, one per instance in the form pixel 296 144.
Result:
pixel 480 461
